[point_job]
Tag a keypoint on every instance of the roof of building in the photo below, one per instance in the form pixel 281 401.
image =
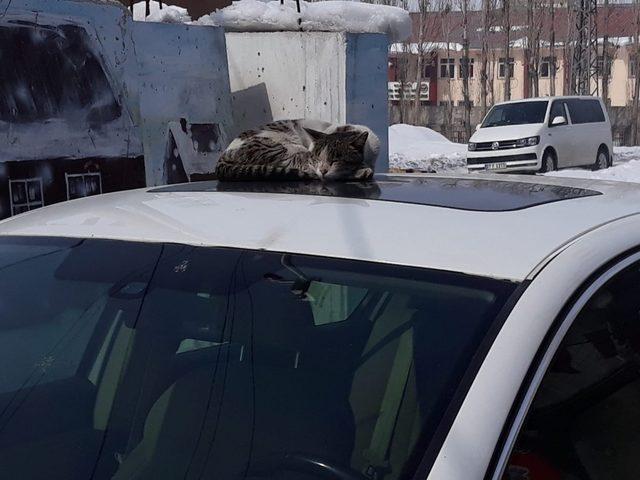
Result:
pixel 498 226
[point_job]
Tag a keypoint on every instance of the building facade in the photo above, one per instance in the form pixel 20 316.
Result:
pixel 442 78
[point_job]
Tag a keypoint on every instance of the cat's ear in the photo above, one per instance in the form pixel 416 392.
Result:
pixel 316 135
pixel 360 139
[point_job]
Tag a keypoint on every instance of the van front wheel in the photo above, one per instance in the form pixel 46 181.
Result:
pixel 548 162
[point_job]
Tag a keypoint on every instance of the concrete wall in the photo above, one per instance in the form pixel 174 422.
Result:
pixel 164 77
pixel 182 75
pixel 334 77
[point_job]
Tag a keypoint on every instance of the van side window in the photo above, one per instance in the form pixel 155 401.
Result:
pixel 595 110
pixel 61 77
pixel 585 111
pixel 557 110
pixel 585 418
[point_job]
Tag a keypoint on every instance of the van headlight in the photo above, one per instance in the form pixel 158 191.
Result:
pixel 528 142
pixel 471 146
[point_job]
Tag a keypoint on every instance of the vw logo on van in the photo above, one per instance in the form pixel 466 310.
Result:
pixel 495 146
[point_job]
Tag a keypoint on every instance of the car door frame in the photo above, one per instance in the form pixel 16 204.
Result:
pixel 543 360
pixel 476 442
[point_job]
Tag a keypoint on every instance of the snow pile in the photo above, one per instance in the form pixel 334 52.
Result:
pixel 626 167
pixel 168 13
pixel 325 16
pixel 625 154
pixel 421 148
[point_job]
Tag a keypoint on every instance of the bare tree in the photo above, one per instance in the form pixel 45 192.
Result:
pixel 636 85
pixel 506 26
pixel 538 20
pixel 484 60
pixel 464 67
pixel 567 50
pixel 493 73
pixel 424 52
pixel 147 7
pixel 527 49
pixel 552 48
pixel 445 19
pixel 605 58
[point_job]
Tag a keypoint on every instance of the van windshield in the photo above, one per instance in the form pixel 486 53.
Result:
pixel 125 360
pixel 518 113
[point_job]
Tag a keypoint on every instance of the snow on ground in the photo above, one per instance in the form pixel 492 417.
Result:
pixel 168 13
pixel 626 167
pixel 326 16
pixel 421 148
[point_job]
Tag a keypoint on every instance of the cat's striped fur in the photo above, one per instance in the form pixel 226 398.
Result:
pixel 293 150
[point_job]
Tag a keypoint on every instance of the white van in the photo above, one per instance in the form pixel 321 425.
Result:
pixel 541 135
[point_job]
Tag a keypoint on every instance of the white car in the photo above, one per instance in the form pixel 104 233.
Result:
pixel 541 135
pixel 419 327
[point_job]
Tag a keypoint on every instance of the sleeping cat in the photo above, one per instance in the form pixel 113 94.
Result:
pixel 300 150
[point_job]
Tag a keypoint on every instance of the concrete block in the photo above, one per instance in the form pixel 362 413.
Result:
pixel 331 76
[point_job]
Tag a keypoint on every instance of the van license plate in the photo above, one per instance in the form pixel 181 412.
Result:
pixel 495 166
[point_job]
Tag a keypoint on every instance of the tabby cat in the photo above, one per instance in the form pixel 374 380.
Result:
pixel 300 150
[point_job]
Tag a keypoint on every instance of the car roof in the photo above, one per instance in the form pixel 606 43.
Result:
pixel 557 97
pixel 430 221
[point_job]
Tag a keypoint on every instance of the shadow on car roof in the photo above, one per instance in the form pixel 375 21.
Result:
pixel 475 194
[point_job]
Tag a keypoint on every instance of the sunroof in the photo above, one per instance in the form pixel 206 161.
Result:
pixel 476 194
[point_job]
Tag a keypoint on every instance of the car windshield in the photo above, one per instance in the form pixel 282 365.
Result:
pixel 518 113
pixel 150 361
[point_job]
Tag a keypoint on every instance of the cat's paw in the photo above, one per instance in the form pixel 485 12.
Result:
pixel 364 174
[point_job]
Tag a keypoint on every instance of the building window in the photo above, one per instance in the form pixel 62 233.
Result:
pixel 83 185
pixel 502 69
pixel 445 103
pixel 547 67
pixel 600 66
pixel 429 69
pixel 462 65
pixel 633 66
pixel 461 103
pixel 447 68
pixel 25 195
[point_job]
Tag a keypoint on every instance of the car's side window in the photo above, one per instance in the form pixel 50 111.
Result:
pixel 584 422
pixel 557 110
pixel 585 111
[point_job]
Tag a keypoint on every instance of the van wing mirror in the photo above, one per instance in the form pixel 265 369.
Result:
pixel 478 126
pixel 559 120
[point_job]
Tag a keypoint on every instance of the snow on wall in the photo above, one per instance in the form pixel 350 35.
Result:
pixel 334 77
pixel 166 14
pixel 323 16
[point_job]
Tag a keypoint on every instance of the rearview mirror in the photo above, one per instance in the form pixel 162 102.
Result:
pixel 559 120
pixel 478 127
